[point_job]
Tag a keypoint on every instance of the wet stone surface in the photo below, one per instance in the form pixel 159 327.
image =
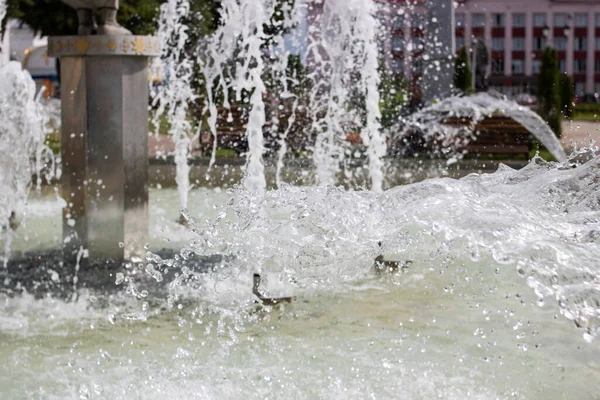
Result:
pixel 50 272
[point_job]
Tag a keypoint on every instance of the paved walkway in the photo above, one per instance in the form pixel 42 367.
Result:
pixel 580 132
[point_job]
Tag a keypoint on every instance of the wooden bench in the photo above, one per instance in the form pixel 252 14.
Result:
pixel 496 135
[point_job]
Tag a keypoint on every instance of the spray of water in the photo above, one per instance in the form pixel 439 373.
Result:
pixel 22 149
pixel 430 121
pixel 343 61
pixel 173 96
pixel 2 14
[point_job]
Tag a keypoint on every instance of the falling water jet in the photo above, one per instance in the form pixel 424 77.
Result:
pixel 173 96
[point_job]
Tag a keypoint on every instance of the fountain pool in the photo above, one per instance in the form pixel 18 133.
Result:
pixel 496 293
pixel 484 308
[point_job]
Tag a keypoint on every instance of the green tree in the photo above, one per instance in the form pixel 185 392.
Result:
pixel 567 94
pixel 548 84
pixel 462 73
pixel 393 95
pixel 54 18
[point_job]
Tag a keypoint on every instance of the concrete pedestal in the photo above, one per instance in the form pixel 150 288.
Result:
pixel 104 141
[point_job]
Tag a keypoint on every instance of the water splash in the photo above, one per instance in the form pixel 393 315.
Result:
pixel 343 60
pixel 173 96
pixel 2 15
pixel 321 237
pixel 429 121
pixel 22 149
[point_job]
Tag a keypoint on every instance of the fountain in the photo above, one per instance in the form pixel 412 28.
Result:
pixel 480 287
pixel 104 142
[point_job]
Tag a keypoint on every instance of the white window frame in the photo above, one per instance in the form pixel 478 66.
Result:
pixel 538 43
pixel 580 43
pixel 398 40
pixel 521 69
pixel 563 41
pixel 519 20
pixel 480 23
pixel 498 44
pixel 520 40
pixel 581 20
pixel 577 64
pixel 560 24
pixel 498 20
pixel 539 20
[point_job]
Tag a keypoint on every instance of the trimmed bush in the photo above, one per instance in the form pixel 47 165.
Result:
pixel 462 73
pixel 567 95
pixel 548 90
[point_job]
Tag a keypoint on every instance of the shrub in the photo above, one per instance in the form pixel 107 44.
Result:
pixel 548 90
pixel 462 73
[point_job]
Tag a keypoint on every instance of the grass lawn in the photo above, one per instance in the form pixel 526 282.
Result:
pixel 586 116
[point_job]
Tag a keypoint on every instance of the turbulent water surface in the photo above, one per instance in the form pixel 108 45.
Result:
pixel 497 297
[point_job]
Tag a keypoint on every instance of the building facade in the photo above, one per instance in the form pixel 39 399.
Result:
pixel 516 32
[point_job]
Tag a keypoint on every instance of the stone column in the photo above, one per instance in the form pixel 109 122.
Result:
pixel 591 52
pixel 440 49
pixel 104 141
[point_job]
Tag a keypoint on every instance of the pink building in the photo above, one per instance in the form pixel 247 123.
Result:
pixel 517 31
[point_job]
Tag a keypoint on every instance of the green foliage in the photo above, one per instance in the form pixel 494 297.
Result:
pixel 548 91
pixel 567 94
pixel 463 78
pixel 47 17
pixel 54 18
pixel 53 141
pixel 589 108
pixel 282 12
pixel 393 95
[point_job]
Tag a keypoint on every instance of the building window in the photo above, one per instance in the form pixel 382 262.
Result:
pixel 417 66
pixel 598 44
pixel 398 65
pixel 399 22
pixel 581 20
pixel 539 20
pixel 560 43
pixel 539 43
pixel 498 20
pixel 579 88
pixel 518 44
pixel 460 43
pixel 597 86
pixel 579 66
pixel 397 43
pixel 597 65
pixel 498 43
pixel 518 20
pixel 562 66
pixel 598 20
pixel 518 66
pixel 417 43
pixel 416 21
pixel 478 20
pixel 535 66
pixel 560 20
pixel 498 66
pixel 459 19
pixel 580 43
